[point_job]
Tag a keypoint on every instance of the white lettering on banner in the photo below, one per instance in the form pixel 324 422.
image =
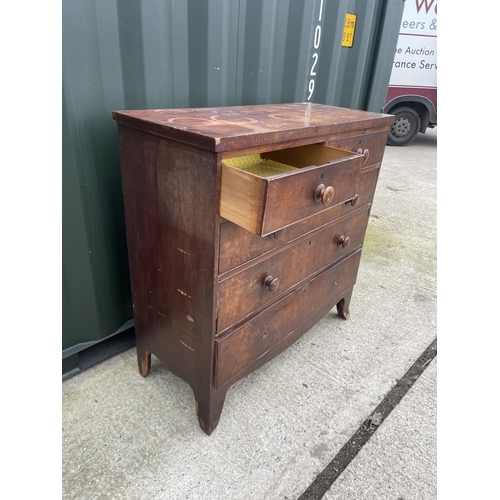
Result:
pixel 315 56
pixel 415 61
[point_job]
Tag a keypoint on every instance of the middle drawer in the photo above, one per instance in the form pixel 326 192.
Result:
pixel 247 291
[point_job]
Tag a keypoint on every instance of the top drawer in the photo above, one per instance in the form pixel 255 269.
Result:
pixel 371 145
pixel 267 192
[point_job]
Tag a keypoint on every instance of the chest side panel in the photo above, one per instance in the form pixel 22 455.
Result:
pixel 170 192
pixel 188 249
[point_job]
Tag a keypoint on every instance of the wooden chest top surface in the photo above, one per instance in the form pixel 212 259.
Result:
pixel 238 127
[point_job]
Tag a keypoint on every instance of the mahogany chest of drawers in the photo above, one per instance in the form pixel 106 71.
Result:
pixel 244 228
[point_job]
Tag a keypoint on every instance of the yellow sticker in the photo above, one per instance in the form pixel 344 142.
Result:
pixel 349 27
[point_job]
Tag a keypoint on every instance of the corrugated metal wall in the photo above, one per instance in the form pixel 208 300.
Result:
pixel 131 54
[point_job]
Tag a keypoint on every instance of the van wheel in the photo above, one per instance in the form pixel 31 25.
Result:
pixel 405 127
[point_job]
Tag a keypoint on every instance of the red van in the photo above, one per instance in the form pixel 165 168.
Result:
pixel 412 92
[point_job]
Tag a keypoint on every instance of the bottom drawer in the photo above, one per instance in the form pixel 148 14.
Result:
pixel 254 339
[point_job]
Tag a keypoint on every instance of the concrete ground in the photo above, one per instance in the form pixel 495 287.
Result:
pixel 134 438
pixel 400 460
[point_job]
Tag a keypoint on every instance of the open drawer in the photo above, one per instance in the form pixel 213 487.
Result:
pixel 267 192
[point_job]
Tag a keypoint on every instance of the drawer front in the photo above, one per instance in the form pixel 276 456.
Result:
pixel 238 246
pixel 372 146
pixel 251 289
pixel 255 338
pixel 322 177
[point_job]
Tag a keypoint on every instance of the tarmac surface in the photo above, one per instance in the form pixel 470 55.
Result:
pixel 128 437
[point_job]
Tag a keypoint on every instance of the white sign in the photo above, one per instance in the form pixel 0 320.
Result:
pixel 415 62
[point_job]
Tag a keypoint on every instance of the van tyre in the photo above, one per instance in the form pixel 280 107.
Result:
pixel 405 128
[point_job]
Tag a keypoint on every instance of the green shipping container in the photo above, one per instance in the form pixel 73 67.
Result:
pixel 123 54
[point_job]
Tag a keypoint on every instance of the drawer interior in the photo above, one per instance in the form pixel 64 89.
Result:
pixel 255 164
pixel 305 156
pixel 287 160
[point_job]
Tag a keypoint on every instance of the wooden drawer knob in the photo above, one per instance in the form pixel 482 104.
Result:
pixel 272 284
pixel 365 153
pixel 343 241
pixel 354 201
pixel 324 194
pixel 277 235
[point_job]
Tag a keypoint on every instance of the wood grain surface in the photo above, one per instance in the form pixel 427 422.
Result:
pixel 236 127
